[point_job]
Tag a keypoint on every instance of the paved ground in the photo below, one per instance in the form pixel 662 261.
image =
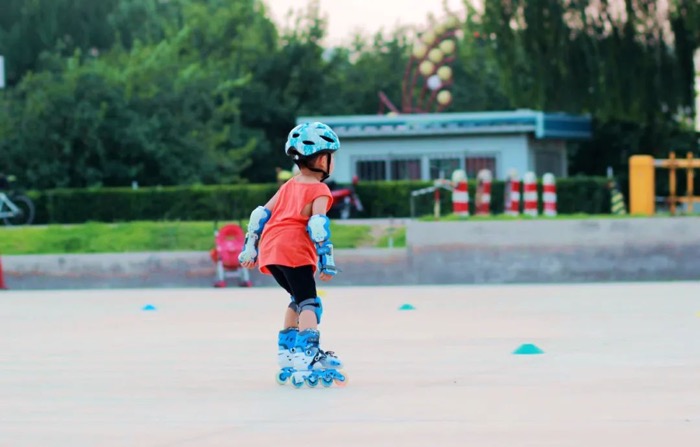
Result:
pixel 90 368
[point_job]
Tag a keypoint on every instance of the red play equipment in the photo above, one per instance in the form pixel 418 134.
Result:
pixel 345 199
pixel 2 278
pixel 228 241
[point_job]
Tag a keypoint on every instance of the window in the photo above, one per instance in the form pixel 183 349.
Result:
pixel 405 169
pixel 476 164
pixel 371 170
pixel 548 161
pixel 443 167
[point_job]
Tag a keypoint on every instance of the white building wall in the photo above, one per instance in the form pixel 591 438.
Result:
pixel 510 151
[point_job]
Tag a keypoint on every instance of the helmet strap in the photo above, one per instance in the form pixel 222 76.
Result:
pixel 305 163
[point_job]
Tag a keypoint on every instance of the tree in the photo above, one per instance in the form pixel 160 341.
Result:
pixel 287 73
pixel 29 28
pixel 626 67
pixel 161 113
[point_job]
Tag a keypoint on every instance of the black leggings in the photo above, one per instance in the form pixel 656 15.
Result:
pixel 297 281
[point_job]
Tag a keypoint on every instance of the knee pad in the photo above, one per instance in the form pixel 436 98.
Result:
pixel 312 304
pixel 294 306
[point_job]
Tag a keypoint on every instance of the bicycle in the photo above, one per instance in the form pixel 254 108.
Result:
pixel 15 207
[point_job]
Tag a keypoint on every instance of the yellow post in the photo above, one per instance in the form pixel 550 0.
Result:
pixel 673 200
pixel 642 185
pixel 691 180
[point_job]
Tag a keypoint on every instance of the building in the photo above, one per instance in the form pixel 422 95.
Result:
pixel 430 146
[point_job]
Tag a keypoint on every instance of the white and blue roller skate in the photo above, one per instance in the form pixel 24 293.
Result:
pixel 313 365
pixel 286 343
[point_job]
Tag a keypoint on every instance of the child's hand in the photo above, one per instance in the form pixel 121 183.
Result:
pixel 248 264
pixel 325 277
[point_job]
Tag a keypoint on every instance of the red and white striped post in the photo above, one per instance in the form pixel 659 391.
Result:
pixel 483 192
pixel 549 195
pixel 460 193
pixel 3 286
pixel 512 202
pixel 530 194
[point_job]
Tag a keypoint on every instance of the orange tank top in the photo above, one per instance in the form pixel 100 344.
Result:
pixel 284 240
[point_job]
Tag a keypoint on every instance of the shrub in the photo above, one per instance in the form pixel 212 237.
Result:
pixel 225 202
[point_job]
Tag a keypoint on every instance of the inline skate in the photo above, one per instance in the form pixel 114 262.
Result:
pixel 313 365
pixel 286 342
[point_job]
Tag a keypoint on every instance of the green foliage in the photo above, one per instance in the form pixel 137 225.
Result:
pixel 574 195
pixel 397 235
pixel 166 113
pixel 187 92
pixel 103 238
pixel 350 236
pixel 29 30
pixel 391 199
pixel 630 69
pixel 135 237
pixel 589 195
pixel 504 217
pixel 167 203
pixel 380 199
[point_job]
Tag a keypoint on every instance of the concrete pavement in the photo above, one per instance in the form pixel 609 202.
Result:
pixel 90 368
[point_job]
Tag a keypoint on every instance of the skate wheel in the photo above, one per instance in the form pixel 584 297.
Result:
pixel 340 379
pixel 327 381
pixel 282 378
pixel 297 384
pixel 312 381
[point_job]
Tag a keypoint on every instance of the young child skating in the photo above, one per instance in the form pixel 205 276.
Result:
pixel 289 238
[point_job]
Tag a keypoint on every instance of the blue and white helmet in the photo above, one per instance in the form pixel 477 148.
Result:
pixel 308 139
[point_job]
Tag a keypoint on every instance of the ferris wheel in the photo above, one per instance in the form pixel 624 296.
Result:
pixel 428 76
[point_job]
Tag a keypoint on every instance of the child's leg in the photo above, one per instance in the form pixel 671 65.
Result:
pixel 291 315
pixel 287 337
pixel 308 320
pixel 301 280
pixel 312 364
pixel 291 318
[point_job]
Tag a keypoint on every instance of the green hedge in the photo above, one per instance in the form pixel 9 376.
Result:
pixel 381 199
pixel 588 195
pixel 171 203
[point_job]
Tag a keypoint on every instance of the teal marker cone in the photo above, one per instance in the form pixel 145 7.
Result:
pixel 407 307
pixel 528 349
pixel 149 307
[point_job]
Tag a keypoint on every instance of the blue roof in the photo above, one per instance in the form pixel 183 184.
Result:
pixel 541 124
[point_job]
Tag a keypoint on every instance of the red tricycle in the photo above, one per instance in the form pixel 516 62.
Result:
pixel 228 244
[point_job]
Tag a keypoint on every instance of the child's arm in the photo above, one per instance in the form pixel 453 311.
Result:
pixel 319 206
pixel 271 203
pixel 319 229
pixel 256 224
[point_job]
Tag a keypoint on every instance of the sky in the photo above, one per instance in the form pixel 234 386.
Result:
pixel 346 16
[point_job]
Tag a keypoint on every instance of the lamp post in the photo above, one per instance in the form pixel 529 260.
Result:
pixel 2 71
pixel 697 90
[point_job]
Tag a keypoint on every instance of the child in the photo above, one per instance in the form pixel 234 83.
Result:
pixel 287 237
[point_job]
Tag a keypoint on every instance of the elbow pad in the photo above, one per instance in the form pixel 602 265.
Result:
pixel 319 229
pixel 258 218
